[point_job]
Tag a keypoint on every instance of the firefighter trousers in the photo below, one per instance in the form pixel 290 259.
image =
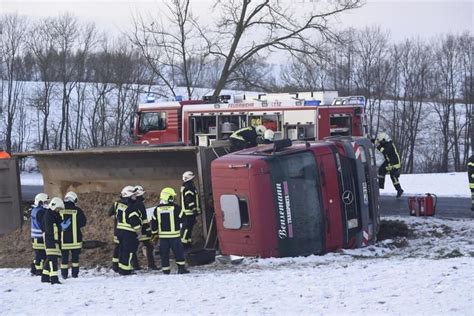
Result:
pixel 187 229
pixel 115 258
pixel 50 269
pixel 394 175
pixel 38 262
pixel 150 257
pixel 167 244
pixel 74 262
pixel 128 246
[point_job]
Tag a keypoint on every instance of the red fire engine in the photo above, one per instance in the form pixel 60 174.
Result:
pixel 297 116
pixel 296 200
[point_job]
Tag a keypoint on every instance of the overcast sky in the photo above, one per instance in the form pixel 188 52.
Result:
pixel 403 18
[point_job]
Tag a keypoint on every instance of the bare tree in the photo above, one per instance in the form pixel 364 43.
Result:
pixel 13 29
pixel 169 49
pixel 253 28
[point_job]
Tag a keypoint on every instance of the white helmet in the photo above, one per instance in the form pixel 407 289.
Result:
pixel 127 191
pixel 187 176
pixel 70 197
pixel 56 203
pixel 41 198
pixel 383 137
pixel 139 190
pixel 260 130
pixel 269 135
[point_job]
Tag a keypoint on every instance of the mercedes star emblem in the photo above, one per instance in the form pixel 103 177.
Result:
pixel 347 197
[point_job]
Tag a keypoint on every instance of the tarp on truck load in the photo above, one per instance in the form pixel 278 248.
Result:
pixel 10 203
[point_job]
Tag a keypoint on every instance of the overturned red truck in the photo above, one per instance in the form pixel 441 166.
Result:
pixel 290 200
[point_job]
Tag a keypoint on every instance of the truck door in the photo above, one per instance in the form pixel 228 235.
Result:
pixel 159 127
pixel 10 196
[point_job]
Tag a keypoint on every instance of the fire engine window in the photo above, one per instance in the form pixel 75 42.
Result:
pixel 152 121
pixel 300 132
pixel 340 125
pixel 234 211
pixel 270 121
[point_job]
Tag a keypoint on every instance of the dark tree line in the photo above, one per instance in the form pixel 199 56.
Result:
pixel 65 85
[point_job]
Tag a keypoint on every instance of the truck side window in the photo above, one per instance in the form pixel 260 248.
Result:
pixel 152 121
pixel 234 211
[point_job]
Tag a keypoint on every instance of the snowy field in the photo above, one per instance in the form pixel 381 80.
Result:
pixel 429 273
pixel 453 184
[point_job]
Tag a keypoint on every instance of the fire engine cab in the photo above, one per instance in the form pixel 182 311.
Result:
pixel 296 116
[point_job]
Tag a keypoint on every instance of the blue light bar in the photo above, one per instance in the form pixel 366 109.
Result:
pixel 150 99
pixel 312 102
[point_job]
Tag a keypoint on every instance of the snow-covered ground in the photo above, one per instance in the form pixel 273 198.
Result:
pixel 453 184
pixel 429 273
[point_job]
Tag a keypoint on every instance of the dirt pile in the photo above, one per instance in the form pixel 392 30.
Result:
pixel 16 250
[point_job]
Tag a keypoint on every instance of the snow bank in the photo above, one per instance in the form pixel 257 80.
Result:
pixel 453 184
pixel 384 279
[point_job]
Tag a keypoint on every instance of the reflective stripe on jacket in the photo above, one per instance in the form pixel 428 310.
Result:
pixel 165 221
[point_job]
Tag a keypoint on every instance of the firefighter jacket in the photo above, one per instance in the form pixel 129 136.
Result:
pixel 146 229
pixel 51 232
pixel 390 154
pixel 165 221
pixel 470 172
pixel 120 205
pixel 72 236
pixel 130 218
pixel 189 199
pixel 37 214
pixel 247 135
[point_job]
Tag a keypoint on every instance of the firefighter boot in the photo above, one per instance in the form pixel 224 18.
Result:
pixel 399 190
pixel 64 273
pixel 55 280
pixel 45 278
pixel 75 272
pixel 33 269
pixel 182 270
pixel 115 267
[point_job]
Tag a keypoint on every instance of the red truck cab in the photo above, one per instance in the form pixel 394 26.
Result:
pixel 280 201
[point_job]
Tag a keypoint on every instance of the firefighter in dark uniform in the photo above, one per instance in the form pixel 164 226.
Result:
pixel 145 236
pixel 37 240
pixel 121 206
pixel 246 137
pixel 52 226
pixel 165 223
pixel 470 173
pixel 129 227
pixel 189 208
pixel 71 240
pixel 391 164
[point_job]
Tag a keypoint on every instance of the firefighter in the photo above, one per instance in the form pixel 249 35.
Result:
pixel 52 226
pixel 246 137
pixel 165 223
pixel 120 205
pixel 145 236
pixel 189 208
pixel 129 227
pixel 470 173
pixel 37 240
pixel 391 164
pixel 71 238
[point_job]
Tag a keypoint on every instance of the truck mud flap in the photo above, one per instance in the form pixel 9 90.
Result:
pixel 11 216
pixel 199 257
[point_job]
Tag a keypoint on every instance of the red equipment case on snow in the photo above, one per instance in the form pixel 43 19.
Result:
pixel 422 205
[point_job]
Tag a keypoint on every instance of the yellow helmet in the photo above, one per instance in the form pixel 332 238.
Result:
pixel 167 194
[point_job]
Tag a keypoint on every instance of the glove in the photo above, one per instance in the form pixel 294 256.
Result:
pixel 65 224
pixel 154 237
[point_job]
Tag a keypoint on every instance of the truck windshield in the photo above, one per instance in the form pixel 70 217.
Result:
pixel 152 121
pixel 296 192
